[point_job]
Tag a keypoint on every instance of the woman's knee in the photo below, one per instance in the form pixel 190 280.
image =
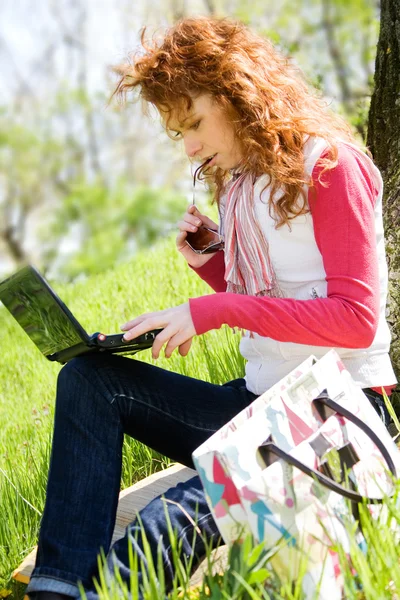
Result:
pixel 78 380
pixel 78 370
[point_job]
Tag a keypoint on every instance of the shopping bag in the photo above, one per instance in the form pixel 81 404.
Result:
pixel 288 507
pixel 298 493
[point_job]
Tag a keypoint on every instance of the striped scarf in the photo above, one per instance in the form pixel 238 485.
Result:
pixel 248 268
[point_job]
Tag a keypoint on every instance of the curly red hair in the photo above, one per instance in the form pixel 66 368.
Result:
pixel 271 106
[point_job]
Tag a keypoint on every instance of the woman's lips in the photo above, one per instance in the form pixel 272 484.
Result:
pixel 207 163
pixel 210 162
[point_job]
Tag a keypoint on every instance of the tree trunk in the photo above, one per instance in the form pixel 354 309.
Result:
pixel 384 142
pixel 13 245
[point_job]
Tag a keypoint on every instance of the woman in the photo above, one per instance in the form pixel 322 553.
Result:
pixel 303 270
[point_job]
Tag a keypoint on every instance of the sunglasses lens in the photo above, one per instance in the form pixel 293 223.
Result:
pixel 205 240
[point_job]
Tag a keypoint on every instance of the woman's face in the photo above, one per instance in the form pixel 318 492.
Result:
pixel 207 132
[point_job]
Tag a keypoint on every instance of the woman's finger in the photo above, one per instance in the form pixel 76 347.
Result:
pixel 192 208
pixel 185 347
pixel 161 339
pixel 141 326
pixel 134 322
pixel 188 224
pixel 180 240
pixel 210 223
pixel 204 219
pixel 175 341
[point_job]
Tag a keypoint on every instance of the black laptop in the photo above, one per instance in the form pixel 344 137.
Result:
pixel 52 326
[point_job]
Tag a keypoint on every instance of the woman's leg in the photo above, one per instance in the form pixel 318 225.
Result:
pixel 186 505
pixel 99 398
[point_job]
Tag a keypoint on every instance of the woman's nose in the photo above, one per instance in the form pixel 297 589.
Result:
pixel 192 146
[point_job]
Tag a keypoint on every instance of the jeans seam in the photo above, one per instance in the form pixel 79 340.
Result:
pixel 92 385
pixel 55 577
pixel 119 395
pixel 155 408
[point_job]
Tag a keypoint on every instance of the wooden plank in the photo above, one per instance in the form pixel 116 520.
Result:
pixel 219 564
pixel 131 500
pixel 23 572
pixel 135 498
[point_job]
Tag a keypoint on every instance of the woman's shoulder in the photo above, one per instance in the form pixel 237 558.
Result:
pixel 354 163
pixel 313 149
pixel 316 148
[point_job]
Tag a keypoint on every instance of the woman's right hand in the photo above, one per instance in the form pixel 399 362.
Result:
pixel 190 222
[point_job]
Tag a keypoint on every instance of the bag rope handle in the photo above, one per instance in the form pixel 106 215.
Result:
pixel 324 399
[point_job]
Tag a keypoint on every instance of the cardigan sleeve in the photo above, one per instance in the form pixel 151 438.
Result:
pixel 213 272
pixel 344 227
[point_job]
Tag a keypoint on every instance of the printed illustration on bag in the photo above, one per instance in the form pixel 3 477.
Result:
pixel 221 491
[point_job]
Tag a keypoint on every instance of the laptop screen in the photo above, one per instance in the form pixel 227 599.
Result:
pixel 39 311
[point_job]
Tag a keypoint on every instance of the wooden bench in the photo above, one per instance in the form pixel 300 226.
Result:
pixel 131 501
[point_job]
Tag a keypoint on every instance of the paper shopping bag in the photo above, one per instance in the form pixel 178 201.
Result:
pixel 232 471
pixel 305 502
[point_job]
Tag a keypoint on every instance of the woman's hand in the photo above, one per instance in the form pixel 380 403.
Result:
pixel 191 221
pixel 177 329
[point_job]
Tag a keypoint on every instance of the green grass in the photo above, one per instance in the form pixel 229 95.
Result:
pixel 154 280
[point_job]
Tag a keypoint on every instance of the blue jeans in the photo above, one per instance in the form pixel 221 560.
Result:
pixel 379 405
pixel 99 399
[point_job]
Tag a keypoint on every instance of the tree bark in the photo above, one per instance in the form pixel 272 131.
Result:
pixel 384 142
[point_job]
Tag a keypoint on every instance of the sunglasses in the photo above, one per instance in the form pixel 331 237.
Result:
pixel 204 240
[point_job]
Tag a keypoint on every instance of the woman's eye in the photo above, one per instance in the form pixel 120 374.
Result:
pixel 176 134
pixel 195 125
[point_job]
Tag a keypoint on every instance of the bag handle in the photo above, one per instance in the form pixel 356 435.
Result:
pixel 324 400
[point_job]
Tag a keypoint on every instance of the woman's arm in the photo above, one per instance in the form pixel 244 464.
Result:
pixel 213 272
pixel 343 218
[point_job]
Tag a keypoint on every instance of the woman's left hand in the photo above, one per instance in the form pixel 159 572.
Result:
pixel 177 329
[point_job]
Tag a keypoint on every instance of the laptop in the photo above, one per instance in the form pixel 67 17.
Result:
pixel 50 324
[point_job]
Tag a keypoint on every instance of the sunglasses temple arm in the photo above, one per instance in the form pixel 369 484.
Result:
pixel 194 181
pixel 194 188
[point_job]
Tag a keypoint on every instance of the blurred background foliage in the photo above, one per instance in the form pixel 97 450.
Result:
pixel 84 183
